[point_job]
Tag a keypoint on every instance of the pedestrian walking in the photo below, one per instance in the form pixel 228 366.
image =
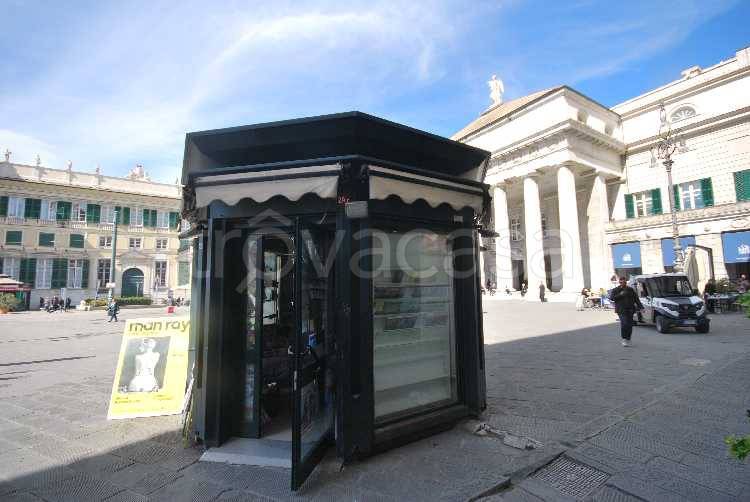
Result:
pixel 542 290
pixel 113 309
pixel 626 304
pixel 67 303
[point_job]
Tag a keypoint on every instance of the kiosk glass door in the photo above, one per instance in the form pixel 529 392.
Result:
pixel 313 400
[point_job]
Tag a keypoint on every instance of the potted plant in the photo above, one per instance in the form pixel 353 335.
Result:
pixel 9 303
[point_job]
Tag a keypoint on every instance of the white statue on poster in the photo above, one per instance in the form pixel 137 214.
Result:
pixel 145 368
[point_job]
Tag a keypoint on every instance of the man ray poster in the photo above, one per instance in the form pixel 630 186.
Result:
pixel 151 369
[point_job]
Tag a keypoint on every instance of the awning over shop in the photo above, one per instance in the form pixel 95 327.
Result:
pixel 667 248
pixel 736 246
pixel 626 255
pixel 259 186
pixel 385 182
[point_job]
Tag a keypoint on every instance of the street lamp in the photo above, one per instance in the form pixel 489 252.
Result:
pixel 666 146
pixel 114 254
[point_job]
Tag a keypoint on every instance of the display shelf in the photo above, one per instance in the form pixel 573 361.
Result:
pixel 437 376
pixel 406 343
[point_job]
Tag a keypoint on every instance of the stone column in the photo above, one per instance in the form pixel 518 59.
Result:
pixel 570 237
pixel 503 264
pixel 600 263
pixel 533 237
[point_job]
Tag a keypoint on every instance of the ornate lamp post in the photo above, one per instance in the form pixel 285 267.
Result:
pixel 667 145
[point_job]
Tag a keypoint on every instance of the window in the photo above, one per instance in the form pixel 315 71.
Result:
pixel 76 241
pixel 682 113
pixel 59 273
pixel 12 267
pixel 689 195
pixel 162 243
pixel 645 203
pixel 32 208
pixel 102 272
pixel 78 271
pixel 49 210
pixel 149 217
pixel 741 185
pixel 515 228
pixel 13 238
pixel 93 213
pixel 27 271
pixel 162 219
pixel 413 325
pixel 79 211
pixel 105 241
pixel 160 274
pixel 3 205
pixel 134 243
pixel 183 273
pixel 174 220
pixel 16 207
pixel 184 245
pixel 107 214
pixel 136 216
pixel 63 210
pixel 43 274
pixel 46 240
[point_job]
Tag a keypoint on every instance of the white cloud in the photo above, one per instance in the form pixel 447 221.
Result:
pixel 25 148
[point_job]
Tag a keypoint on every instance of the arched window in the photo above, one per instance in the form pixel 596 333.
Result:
pixel 682 113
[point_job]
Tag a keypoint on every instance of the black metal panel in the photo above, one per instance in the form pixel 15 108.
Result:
pixel 328 136
pixel 197 338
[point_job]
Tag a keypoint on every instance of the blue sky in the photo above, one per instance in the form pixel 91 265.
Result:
pixel 120 83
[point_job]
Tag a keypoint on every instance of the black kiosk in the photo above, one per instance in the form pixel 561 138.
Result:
pixel 336 291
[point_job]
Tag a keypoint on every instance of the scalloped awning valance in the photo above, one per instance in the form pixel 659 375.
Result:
pixel 260 186
pixel 409 187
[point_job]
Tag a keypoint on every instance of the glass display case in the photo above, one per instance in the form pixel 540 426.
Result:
pixel 413 324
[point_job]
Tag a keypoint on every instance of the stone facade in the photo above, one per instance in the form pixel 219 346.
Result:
pixel 565 169
pixel 56 228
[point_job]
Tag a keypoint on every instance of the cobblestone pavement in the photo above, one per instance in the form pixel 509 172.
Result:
pixel 645 422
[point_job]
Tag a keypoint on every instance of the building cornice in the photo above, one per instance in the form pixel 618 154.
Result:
pixel 703 215
pixel 654 98
pixel 693 129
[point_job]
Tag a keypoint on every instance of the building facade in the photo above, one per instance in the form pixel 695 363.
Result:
pixel 56 233
pixel 579 193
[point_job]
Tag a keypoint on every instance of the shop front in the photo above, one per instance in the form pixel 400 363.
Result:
pixel 335 288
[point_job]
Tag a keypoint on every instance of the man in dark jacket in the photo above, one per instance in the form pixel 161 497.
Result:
pixel 626 303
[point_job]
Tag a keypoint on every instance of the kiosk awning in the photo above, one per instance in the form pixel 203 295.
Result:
pixel 409 187
pixel 626 255
pixel 736 247
pixel 667 248
pixel 259 186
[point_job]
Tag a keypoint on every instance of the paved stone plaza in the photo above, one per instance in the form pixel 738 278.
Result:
pixel 617 424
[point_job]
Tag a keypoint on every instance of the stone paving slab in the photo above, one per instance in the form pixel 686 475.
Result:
pixel 563 379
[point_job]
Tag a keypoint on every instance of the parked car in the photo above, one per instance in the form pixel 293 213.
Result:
pixel 670 301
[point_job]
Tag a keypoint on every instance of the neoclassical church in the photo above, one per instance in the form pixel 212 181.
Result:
pixel 579 193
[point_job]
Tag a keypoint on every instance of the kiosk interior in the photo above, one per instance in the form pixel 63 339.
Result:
pixel 335 287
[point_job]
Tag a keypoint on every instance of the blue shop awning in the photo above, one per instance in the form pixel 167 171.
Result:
pixel 736 247
pixel 667 248
pixel 626 255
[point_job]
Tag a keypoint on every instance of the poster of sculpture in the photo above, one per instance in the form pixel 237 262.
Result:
pixel 151 369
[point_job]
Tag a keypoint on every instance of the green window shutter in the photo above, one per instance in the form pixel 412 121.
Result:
pixel 76 240
pixel 27 270
pixel 676 195
pixel 93 213
pixel 4 205
pixel 63 210
pixel 629 206
pixel 59 273
pixel 149 217
pixel 742 185
pixel 13 238
pixel 125 216
pixel 656 201
pixel 85 275
pixel 183 273
pixel 707 188
pixel 32 208
pixel 174 220
pixel 153 218
pixel 46 240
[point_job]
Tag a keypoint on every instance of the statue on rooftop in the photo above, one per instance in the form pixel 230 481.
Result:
pixel 496 90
